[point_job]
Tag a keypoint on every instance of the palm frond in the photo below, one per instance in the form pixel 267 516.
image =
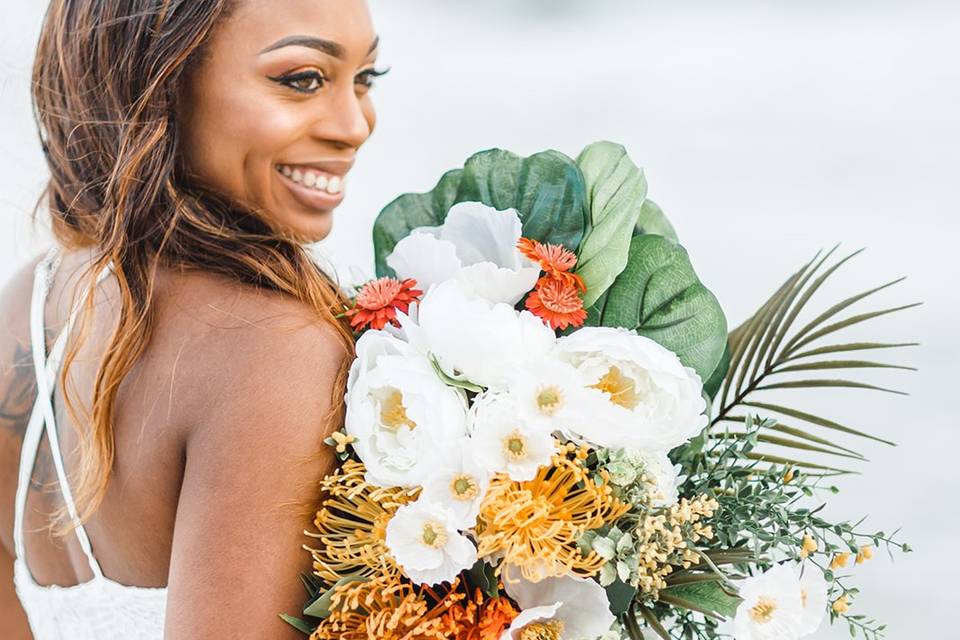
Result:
pixel 769 353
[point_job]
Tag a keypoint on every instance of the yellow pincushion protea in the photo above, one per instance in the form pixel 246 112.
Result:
pixel 534 525
pixel 351 525
pixel 384 608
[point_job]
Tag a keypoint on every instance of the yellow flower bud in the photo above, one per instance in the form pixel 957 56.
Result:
pixel 865 553
pixel 788 476
pixel 809 546
pixel 840 605
pixel 839 561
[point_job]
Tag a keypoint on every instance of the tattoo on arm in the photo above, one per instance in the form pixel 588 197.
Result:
pixel 16 400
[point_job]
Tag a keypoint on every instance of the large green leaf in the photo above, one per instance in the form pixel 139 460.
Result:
pixel 704 597
pixel 617 197
pixel 659 295
pixel 616 190
pixel 547 189
pixel 652 220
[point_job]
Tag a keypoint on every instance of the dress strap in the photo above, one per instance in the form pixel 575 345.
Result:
pixel 43 416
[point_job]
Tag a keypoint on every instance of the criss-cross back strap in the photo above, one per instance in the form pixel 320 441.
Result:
pixel 43 416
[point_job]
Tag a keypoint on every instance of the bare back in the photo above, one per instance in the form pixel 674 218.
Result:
pixel 220 354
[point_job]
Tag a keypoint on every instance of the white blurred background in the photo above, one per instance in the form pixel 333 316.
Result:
pixel 768 130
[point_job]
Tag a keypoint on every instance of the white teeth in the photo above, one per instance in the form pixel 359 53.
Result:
pixel 330 184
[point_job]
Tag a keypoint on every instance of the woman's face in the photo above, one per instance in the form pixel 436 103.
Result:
pixel 275 114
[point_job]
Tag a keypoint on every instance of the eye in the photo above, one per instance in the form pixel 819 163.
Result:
pixel 302 81
pixel 365 77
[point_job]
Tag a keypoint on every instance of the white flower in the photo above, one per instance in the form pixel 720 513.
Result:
pixel 772 607
pixel 459 483
pixel 553 394
pixel 504 443
pixel 475 340
pixel 426 544
pixel 813 597
pixel 476 244
pixel 567 607
pixel 654 403
pixel 399 411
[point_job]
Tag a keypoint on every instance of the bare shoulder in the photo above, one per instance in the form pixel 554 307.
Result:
pixel 229 346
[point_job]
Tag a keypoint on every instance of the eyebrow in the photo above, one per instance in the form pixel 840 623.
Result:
pixel 326 46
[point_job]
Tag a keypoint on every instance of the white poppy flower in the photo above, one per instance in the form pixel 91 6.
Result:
pixel 425 543
pixel 813 597
pixel 566 607
pixel 399 411
pixel 475 340
pixel 476 244
pixel 772 607
pixel 654 403
pixel 505 444
pixel 553 394
pixel 458 482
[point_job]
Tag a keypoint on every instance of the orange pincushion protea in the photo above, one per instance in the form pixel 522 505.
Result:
pixel 481 617
pixel 379 301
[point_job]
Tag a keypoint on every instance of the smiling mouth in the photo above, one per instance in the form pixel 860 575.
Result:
pixel 313 188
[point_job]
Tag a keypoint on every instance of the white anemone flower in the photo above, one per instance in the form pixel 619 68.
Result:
pixel 425 543
pixel 505 444
pixel 399 411
pixel 555 608
pixel 458 482
pixel 772 607
pixel 553 394
pixel 477 341
pixel 476 244
pixel 813 597
pixel 653 402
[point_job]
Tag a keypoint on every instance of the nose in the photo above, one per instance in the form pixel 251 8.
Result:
pixel 345 122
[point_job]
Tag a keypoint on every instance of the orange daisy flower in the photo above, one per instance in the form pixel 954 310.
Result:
pixel 557 302
pixel 555 259
pixel 379 300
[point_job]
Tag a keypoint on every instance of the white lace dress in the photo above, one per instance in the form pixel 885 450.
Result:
pixel 100 609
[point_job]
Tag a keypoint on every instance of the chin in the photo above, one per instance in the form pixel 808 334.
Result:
pixel 305 228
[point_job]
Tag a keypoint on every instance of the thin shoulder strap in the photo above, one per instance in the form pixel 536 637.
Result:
pixel 43 413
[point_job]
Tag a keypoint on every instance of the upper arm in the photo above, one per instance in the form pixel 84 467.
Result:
pixel 17 388
pixel 251 478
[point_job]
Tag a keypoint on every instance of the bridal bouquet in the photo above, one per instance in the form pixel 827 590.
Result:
pixel 550 433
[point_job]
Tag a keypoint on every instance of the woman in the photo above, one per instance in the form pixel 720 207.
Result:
pixel 193 146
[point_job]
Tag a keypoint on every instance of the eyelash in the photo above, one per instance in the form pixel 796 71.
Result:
pixel 289 80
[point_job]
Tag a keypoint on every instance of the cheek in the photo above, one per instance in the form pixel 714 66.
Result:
pixel 234 138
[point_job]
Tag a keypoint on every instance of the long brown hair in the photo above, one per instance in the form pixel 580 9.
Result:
pixel 106 82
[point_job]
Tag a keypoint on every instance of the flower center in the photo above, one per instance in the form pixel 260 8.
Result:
pixel 803 598
pixel 621 389
pixel 433 535
pixel 551 630
pixel 393 414
pixel 762 612
pixel 549 400
pixel 515 446
pixel 464 487
pixel 378 294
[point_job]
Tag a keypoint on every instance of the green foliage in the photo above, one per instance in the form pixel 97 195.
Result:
pixel 547 189
pixel 659 295
pixel 616 192
pixel 768 352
